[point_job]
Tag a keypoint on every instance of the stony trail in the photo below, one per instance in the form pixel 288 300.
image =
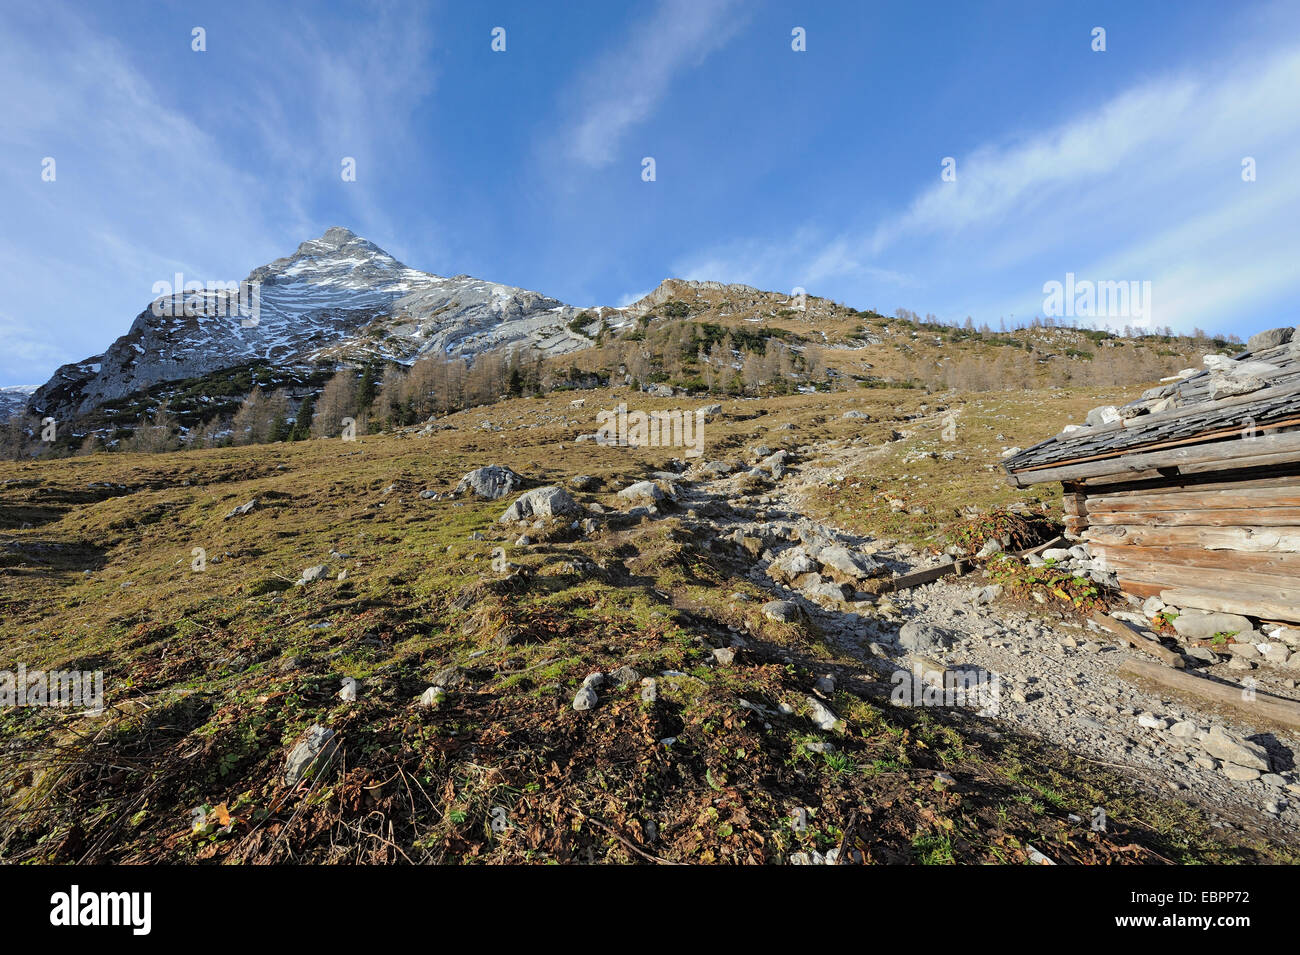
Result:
pixel 1051 676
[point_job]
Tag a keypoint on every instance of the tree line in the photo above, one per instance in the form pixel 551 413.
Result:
pixel 700 357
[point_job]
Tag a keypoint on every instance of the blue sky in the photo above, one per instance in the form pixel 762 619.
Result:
pixel 818 169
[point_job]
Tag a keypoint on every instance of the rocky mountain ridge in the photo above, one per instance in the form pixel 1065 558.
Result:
pixel 336 298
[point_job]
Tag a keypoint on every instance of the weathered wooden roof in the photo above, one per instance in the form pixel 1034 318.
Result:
pixel 1242 394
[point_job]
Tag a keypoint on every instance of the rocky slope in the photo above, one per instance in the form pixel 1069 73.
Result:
pixel 13 399
pixel 336 298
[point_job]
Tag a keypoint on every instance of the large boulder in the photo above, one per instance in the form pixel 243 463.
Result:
pixel 434 697
pixel 241 509
pixel 791 563
pixel 1224 387
pixel 847 566
pixel 782 611
pixel 716 468
pixel 1203 624
pixel 823 592
pixel 313 574
pixel 923 638
pixel 645 492
pixel 491 482
pixel 549 501
pixel 821 714
pixel 1269 339
pixel 1106 414
pixel 814 539
pixel 1232 367
pixel 1223 745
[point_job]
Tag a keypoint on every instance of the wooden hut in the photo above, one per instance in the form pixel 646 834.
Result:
pixel 1192 492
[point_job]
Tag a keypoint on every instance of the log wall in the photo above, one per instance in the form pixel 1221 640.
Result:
pixel 1226 541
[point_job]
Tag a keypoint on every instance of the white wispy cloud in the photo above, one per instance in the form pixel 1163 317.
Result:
pixel 355 92
pixel 1145 186
pixel 1171 207
pixel 996 183
pixel 624 86
pixel 804 258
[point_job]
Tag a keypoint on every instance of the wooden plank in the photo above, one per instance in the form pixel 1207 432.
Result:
pixel 1234 479
pixel 1255 461
pixel 1240 603
pixel 1257 707
pixel 1274 447
pixel 1256 587
pixel 1172 499
pixel 1181 576
pixel 1204 517
pixel 1039 548
pixel 1134 638
pixel 886 585
pixel 1128 477
pixel 1074 507
pixel 1140 588
pixel 1074 504
pixel 1189 555
pixel 1249 539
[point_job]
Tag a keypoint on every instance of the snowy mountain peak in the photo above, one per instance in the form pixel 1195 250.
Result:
pixel 337 298
pixel 341 258
pixel 339 241
pixel 338 235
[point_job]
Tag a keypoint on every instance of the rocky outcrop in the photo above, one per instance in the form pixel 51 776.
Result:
pixel 1269 339
pixel 492 482
pixel 541 502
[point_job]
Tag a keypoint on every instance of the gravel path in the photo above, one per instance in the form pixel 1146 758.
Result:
pixel 1054 678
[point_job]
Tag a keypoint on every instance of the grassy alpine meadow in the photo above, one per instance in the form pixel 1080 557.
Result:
pixel 219 656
